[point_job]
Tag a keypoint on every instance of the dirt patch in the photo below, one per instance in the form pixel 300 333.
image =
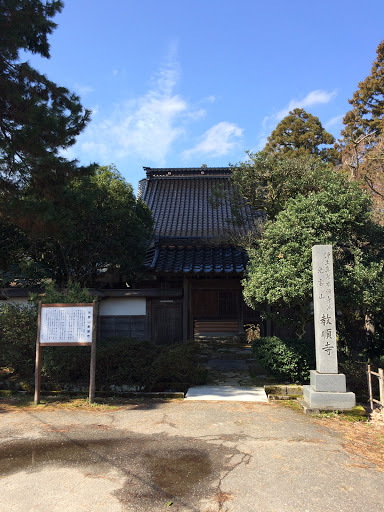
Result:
pixel 363 439
pixel 25 403
pixel 377 418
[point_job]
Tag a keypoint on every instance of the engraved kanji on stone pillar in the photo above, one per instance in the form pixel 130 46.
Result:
pixel 324 309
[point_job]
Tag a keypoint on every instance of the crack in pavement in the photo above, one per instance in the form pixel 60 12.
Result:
pixel 221 495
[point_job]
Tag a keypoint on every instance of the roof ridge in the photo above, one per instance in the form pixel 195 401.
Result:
pixel 183 168
pixel 166 172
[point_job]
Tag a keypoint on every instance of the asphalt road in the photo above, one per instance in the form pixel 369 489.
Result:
pixel 180 456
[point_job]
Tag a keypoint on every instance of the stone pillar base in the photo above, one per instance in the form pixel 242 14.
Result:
pixel 328 400
pixel 328 382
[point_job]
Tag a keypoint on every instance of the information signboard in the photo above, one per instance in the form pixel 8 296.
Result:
pixel 66 325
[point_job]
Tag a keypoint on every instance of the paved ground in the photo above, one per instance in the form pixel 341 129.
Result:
pixel 227 393
pixel 181 456
pixel 228 374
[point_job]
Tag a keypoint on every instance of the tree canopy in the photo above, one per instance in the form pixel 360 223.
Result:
pixel 367 113
pixel 280 270
pixel 37 117
pixel 98 234
pixel 57 220
pixel 301 133
pixel 362 136
pixel 266 182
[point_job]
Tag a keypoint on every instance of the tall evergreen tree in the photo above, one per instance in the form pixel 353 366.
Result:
pixel 366 118
pixel 362 142
pixel 265 183
pixel 37 117
pixel 301 133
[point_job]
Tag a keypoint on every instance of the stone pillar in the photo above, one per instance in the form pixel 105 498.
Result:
pixel 327 389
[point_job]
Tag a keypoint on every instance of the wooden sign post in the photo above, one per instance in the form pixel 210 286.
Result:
pixel 66 325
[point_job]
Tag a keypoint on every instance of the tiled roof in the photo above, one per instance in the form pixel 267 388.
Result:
pixel 188 226
pixel 195 259
pixel 180 200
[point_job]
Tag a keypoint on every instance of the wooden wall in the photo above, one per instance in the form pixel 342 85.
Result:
pixel 132 326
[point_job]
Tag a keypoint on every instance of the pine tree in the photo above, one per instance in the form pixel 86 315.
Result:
pixel 367 115
pixel 37 117
pixel 362 142
pixel 299 134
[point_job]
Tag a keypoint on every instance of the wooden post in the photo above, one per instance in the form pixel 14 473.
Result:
pixel 369 376
pixel 241 311
pixel 38 359
pixel 186 308
pixel 92 371
pixel 381 386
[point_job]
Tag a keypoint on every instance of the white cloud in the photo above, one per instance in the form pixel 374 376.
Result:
pixel 196 114
pixel 217 141
pixel 83 90
pixel 312 98
pixel 316 97
pixel 146 126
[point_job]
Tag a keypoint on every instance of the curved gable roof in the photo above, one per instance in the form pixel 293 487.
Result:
pixel 181 202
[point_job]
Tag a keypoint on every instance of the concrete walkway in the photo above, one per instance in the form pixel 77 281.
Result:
pixel 229 376
pixel 229 393
pixel 181 456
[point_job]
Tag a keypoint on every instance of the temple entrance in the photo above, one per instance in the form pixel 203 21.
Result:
pixel 215 312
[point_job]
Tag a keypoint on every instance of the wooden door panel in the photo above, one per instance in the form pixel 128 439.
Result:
pixel 167 322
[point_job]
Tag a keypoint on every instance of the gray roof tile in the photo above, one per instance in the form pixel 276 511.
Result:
pixel 181 202
pixel 187 225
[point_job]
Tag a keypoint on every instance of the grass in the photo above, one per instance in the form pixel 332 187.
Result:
pixel 290 404
pixel 11 401
pixel 358 413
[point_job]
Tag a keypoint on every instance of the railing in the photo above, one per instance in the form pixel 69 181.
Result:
pixel 380 376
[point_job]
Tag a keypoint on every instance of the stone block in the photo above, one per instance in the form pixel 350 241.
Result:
pixel 334 382
pixel 328 400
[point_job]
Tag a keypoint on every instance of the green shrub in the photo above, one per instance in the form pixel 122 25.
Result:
pixel 119 361
pixel 18 331
pixel 65 364
pixel 147 366
pixel 289 360
pixel 72 294
pixel 125 361
pixel 177 364
pixel 356 376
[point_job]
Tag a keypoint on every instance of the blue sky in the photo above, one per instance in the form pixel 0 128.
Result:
pixel 177 83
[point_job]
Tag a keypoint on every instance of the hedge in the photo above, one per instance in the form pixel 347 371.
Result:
pixel 119 361
pixel 287 360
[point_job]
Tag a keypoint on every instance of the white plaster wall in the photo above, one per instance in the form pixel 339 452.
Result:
pixel 122 307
